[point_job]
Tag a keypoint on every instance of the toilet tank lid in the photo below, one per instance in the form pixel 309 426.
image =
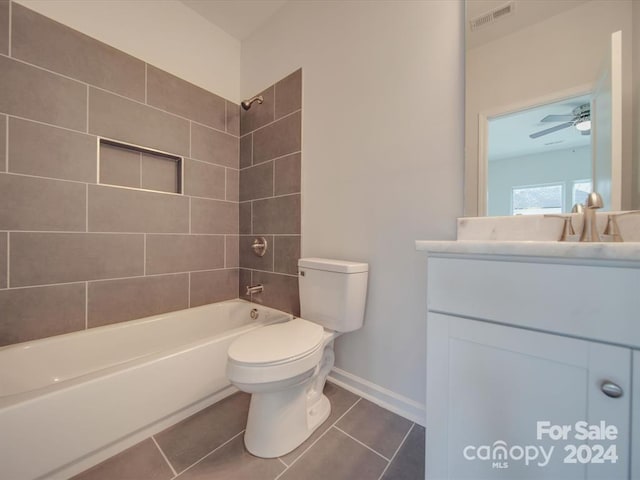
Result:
pixel 328 265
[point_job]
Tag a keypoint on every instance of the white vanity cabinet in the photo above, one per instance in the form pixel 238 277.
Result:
pixel 529 368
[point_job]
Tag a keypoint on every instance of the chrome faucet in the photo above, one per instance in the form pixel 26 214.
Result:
pixel 589 228
pixel 253 289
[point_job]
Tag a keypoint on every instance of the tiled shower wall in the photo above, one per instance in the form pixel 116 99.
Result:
pixel 270 156
pixel 75 254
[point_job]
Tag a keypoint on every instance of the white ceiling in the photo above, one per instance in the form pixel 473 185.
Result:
pixel 239 18
pixel 509 134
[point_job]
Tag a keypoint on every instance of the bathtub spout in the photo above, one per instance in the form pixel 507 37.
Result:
pixel 251 289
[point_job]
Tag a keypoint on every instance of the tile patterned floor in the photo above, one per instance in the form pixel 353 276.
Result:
pixel 359 441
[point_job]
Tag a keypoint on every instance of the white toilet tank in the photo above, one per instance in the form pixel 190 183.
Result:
pixel 333 292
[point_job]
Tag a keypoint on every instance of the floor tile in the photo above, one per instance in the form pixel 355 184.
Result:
pixel 232 461
pixel 337 457
pixel 376 427
pixel 341 400
pixel 408 463
pixel 188 441
pixel 142 461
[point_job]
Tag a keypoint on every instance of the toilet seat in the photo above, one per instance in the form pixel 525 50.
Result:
pixel 275 352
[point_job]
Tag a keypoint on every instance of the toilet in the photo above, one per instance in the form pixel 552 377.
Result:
pixel 284 366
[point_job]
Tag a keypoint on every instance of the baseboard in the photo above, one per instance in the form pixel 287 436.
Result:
pixel 403 406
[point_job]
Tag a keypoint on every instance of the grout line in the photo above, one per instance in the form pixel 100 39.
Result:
pixel 212 451
pixel 8 258
pixel 361 443
pixel 86 209
pixel 86 305
pixel 96 280
pixel 224 251
pixel 144 256
pixel 189 215
pixel 274 196
pixel 396 452
pixel 271 159
pixel 189 290
pixel 175 474
pixel 111 92
pixel 281 118
pixel 46 124
pixel 146 67
pixel 6 144
pixel 10 45
pixel 87 127
pixel 318 439
pixel 282 462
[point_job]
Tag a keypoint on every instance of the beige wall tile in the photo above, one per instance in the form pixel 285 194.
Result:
pixel 280 138
pixel 233 184
pixel 117 118
pixel 45 151
pixel 248 259
pixel 3 143
pixel 280 291
pixel 204 180
pixel 213 216
pixel 246 151
pixel 184 253
pixel 49 44
pixel 30 203
pixel 245 218
pixel 4 27
pixel 213 286
pixel 112 301
pixel 30 313
pixel 46 258
pixel 232 259
pixel 287 175
pixel 59 101
pixel 259 114
pixel 212 146
pixel 160 173
pixel 3 259
pixel 280 215
pixel 120 166
pixel 289 94
pixel 256 182
pixel 233 118
pixel 286 252
pixel 113 209
pixel 175 95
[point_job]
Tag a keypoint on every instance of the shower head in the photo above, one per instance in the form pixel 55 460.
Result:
pixel 246 104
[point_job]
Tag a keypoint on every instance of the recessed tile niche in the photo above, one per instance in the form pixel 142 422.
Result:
pixel 132 166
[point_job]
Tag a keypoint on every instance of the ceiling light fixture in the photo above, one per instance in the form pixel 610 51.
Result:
pixel 583 124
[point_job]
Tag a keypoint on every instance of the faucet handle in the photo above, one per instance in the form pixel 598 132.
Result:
pixel 567 228
pixel 612 225
pixel 593 201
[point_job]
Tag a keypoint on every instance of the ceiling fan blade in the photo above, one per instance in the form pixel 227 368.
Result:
pixel 550 130
pixel 558 118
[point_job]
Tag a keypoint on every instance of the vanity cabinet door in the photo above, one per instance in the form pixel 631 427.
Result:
pixel 635 417
pixel 507 403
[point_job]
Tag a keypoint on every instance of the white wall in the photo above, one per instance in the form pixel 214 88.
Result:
pixel 382 155
pixel 164 33
pixel 557 166
pixel 561 53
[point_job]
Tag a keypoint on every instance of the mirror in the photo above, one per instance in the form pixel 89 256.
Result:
pixel 522 54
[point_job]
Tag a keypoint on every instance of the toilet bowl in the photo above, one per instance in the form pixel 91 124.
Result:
pixel 284 366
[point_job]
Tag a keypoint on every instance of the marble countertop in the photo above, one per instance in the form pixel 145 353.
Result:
pixel 597 251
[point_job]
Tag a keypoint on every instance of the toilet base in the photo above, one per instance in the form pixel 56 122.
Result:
pixel 279 422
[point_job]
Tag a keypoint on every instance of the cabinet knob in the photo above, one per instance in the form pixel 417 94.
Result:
pixel 610 389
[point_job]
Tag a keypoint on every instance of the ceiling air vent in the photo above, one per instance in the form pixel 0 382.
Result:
pixel 491 16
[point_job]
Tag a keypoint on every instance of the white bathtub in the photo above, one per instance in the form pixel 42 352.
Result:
pixel 70 401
